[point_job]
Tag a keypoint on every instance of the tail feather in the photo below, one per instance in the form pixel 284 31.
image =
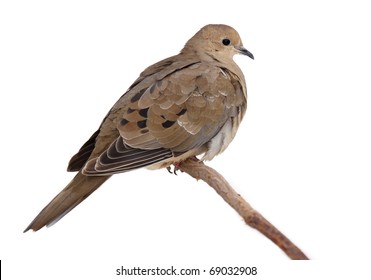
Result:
pixel 72 195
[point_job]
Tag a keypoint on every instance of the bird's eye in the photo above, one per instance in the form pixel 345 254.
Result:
pixel 226 42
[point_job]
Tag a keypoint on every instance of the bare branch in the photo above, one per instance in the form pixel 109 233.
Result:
pixel 199 170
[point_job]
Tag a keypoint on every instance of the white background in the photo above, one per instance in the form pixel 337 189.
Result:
pixel 302 156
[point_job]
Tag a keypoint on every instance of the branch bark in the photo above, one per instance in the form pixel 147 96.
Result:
pixel 253 218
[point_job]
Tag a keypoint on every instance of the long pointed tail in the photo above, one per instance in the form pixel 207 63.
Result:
pixel 72 195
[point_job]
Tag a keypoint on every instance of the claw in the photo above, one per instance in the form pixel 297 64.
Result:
pixel 176 168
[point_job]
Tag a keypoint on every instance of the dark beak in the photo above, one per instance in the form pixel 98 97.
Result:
pixel 244 51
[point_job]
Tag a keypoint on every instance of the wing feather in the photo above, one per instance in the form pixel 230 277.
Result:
pixel 120 157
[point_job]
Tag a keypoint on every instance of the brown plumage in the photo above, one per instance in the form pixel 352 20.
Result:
pixel 186 105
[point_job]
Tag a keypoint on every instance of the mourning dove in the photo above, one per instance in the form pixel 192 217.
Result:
pixel 186 105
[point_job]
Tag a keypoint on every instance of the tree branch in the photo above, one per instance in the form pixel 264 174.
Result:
pixel 199 170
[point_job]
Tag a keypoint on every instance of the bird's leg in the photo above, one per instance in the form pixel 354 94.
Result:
pixel 177 165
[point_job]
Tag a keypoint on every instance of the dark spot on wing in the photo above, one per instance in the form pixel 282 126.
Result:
pixel 144 112
pixel 144 131
pixel 138 95
pixel 124 122
pixel 182 112
pixel 129 111
pixel 167 124
pixel 142 124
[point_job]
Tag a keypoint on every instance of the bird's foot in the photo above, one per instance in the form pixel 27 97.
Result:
pixel 177 165
pixel 175 169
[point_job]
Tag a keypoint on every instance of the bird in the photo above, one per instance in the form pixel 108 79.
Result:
pixel 188 105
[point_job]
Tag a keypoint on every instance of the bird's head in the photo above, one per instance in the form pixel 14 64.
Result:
pixel 216 41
